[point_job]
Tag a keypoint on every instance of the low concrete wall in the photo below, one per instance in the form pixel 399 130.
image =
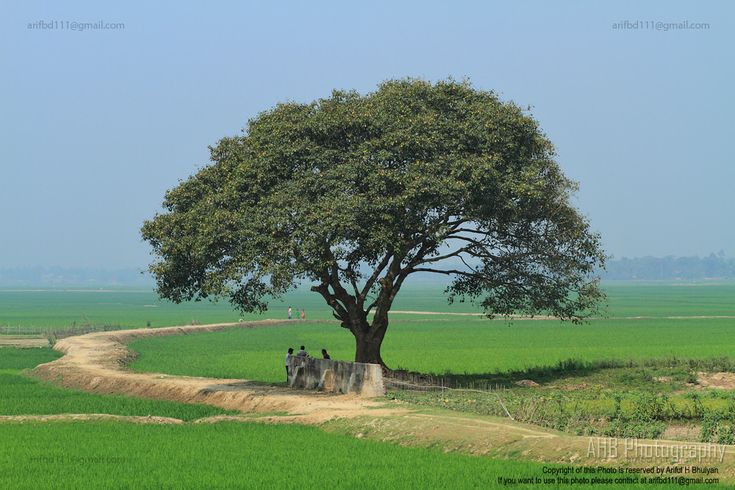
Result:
pixel 336 376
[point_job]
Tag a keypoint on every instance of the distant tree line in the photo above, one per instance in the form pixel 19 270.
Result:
pixel 713 266
pixel 72 277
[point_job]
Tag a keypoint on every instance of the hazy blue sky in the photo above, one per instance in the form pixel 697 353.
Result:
pixel 96 125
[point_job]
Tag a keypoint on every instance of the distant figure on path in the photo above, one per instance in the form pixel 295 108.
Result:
pixel 290 313
pixel 325 354
pixel 302 354
pixel 288 359
pixel 303 314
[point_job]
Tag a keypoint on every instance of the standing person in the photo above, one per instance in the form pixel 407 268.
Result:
pixel 303 314
pixel 290 313
pixel 288 360
pixel 325 354
pixel 301 354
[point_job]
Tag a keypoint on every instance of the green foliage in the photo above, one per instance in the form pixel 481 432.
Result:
pixel 645 429
pixel 603 401
pixel 719 426
pixel 602 412
pixel 697 410
pixel 645 420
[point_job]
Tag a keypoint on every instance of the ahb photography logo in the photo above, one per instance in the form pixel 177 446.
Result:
pixel 74 25
pixel 642 451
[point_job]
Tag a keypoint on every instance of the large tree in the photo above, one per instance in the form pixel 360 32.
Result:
pixel 356 193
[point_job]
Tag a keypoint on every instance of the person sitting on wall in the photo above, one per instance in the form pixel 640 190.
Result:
pixel 325 354
pixel 302 354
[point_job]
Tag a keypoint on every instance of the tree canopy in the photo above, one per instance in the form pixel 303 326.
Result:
pixel 355 193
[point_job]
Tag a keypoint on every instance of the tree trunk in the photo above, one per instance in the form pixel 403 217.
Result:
pixel 368 350
pixel 367 345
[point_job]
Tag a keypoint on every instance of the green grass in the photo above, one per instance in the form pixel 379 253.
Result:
pixel 662 299
pixel 134 308
pixel 441 344
pixel 16 359
pixel 23 395
pixel 227 455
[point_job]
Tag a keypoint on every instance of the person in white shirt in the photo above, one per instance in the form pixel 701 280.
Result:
pixel 288 360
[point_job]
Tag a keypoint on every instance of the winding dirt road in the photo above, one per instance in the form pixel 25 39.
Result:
pixel 96 362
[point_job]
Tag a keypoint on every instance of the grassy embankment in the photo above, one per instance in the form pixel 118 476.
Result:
pixel 22 395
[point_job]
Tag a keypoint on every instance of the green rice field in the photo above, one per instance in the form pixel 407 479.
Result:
pixel 230 455
pixel 649 321
pixel 438 345
pixel 138 308
pixel 642 321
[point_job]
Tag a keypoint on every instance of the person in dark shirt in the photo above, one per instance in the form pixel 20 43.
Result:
pixel 325 354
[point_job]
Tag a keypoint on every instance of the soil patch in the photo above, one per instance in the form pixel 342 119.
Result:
pixel 723 381
pixel 88 417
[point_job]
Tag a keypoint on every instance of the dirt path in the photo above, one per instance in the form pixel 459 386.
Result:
pixel 96 362
pixel 86 417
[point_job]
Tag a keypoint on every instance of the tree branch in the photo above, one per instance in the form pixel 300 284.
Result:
pixel 446 272
pixel 331 300
pixel 445 256
pixel 374 277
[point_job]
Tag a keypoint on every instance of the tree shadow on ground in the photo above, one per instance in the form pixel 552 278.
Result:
pixel 570 368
